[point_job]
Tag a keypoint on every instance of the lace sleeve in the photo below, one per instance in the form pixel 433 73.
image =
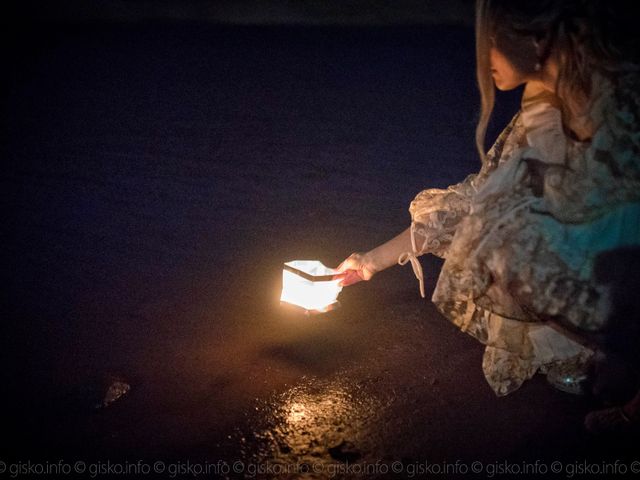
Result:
pixel 436 213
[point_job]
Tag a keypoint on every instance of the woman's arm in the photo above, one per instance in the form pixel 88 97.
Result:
pixel 435 215
pixel 387 254
pixel 362 266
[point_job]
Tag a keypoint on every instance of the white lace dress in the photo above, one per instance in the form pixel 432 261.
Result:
pixel 520 237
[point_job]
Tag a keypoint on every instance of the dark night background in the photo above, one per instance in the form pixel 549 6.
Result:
pixel 161 160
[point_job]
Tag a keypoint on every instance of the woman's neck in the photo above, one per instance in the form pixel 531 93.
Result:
pixel 548 78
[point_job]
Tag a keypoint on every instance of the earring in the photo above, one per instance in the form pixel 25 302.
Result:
pixel 538 66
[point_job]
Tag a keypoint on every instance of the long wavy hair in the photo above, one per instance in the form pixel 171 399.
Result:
pixel 582 36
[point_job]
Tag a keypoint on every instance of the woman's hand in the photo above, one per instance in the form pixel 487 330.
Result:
pixel 356 268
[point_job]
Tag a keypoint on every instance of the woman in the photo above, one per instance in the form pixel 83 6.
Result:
pixel 559 186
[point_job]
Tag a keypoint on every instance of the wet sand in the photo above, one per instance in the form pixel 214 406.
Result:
pixel 158 176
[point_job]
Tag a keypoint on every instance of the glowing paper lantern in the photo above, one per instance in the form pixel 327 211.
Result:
pixel 308 284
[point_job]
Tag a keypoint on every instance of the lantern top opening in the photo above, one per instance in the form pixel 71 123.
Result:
pixel 311 270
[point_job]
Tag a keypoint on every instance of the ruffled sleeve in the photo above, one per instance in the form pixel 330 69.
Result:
pixel 436 213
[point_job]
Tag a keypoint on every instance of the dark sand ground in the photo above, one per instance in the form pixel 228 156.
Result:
pixel 155 179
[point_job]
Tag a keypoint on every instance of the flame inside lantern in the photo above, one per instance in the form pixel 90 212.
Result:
pixel 309 284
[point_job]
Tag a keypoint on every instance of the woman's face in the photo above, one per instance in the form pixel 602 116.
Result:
pixel 505 75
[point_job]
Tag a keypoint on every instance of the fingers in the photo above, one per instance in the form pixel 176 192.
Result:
pixel 351 271
pixel 344 266
pixel 351 263
pixel 351 277
pixel 337 276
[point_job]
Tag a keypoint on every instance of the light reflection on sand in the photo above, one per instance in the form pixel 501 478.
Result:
pixel 312 418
